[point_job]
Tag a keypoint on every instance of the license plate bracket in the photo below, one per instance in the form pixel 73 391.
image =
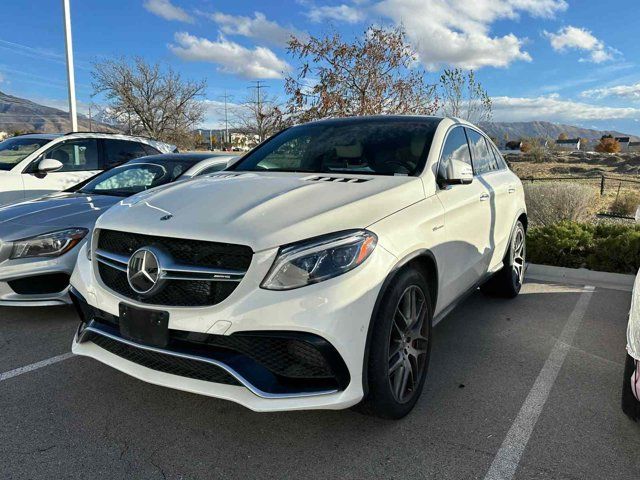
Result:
pixel 148 327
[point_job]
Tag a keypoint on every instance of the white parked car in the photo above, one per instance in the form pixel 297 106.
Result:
pixel 37 164
pixel 40 238
pixel 310 274
pixel 631 376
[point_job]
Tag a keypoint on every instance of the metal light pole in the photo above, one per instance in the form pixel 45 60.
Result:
pixel 71 80
pixel 226 120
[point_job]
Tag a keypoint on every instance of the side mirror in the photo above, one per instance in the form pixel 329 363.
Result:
pixel 458 173
pixel 49 165
pixel 232 161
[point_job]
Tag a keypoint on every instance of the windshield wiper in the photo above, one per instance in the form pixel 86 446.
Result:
pixel 108 193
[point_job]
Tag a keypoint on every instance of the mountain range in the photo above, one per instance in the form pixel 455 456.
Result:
pixel 502 131
pixel 19 114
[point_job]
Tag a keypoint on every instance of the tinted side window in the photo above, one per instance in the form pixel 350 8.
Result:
pixel 76 155
pixel 483 159
pixel 502 164
pixel 121 151
pixel 149 149
pixel 456 149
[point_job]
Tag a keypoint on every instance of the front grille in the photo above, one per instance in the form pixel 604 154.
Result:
pixel 161 362
pixel 186 252
pixel 176 293
pixel 179 293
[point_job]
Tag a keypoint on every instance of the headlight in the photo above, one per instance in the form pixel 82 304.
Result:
pixel 317 260
pixel 51 244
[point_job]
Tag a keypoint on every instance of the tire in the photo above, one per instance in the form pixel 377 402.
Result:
pixel 399 354
pixel 507 282
pixel 630 406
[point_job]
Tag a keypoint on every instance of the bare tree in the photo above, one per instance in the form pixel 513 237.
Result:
pixel 260 114
pixel 149 100
pixel 375 73
pixel 463 96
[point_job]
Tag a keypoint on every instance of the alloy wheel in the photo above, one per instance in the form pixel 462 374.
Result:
pixel 408 344
pixel 519 252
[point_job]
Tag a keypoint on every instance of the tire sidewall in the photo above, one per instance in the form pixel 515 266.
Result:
pixel 380 398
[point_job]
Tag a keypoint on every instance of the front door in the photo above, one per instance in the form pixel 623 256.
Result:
pixel 11 188
pixel 494 175
pixel 467 223
pixel 80 160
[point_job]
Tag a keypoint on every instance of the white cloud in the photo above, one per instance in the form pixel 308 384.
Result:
pixel 553 108
pixel 630 92
pixel 168 11
pixel 338 13
pixel 458 32
pixel 574 38
pixel 259 62
pixel 258 27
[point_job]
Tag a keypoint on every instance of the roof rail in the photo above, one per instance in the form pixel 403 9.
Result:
pixel 91 131
pixel 113 133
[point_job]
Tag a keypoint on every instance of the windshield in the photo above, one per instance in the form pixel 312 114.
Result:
pixel 14 150
pixel 362 146
pixel 134 178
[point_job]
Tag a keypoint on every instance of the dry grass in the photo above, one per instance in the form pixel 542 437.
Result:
pixel 552 202
pixel 586 168
pixel 557 163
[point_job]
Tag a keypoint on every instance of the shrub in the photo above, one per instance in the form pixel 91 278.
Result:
pixel 626 204
pixel 604 247
pixel 535 150
pixel 553 202
pixel 608 145
pixel 564 244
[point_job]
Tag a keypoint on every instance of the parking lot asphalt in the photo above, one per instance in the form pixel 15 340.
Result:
pixel 526 389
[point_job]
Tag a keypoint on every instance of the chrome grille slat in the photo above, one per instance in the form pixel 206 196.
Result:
pixel 175 271
pixel 193 273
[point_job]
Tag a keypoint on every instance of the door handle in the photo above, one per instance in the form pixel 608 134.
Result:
pixel 512 189
pixel 484 197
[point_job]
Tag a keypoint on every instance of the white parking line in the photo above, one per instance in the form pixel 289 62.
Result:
pixel 34 366
pixel 506 461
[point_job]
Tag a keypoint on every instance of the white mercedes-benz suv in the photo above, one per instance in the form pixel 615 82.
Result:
pixel 309 274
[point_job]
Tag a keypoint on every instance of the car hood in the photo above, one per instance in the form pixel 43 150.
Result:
pixel 263 210
pixel 52 212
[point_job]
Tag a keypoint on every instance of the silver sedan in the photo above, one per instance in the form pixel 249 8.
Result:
pixel 40 239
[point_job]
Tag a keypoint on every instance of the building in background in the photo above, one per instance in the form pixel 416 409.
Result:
pixel 569 145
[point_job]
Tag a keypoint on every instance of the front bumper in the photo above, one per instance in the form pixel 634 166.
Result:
pixel 37 282
pixel 336 313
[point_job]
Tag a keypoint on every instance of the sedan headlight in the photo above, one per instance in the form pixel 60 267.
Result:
pixel 52 244
pixel 317 260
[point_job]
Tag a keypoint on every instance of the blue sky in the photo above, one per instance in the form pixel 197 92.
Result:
pixel 564 61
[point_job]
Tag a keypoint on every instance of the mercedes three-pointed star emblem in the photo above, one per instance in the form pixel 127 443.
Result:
pixel 144 271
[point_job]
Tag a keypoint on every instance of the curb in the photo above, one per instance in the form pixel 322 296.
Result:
pixel 580 276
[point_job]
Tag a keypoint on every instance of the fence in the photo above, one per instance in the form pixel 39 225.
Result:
pixel 605 183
